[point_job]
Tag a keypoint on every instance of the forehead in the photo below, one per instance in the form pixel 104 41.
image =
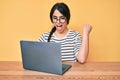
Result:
pixel 57 13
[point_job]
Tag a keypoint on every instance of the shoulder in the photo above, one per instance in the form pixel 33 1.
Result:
pixel 76 36
pixel 46 34
pixel 44 37
pixel 74 33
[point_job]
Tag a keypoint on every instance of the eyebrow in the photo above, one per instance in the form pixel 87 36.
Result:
pixel 57 16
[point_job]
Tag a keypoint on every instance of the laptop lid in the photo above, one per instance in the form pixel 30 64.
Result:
pixel 42 56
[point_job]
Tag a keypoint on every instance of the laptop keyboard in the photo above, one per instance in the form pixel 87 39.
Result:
pixel 64 67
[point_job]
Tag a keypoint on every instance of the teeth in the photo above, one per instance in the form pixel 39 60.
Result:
pixel 59 26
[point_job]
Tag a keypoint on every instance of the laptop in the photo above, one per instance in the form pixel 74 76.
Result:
pixel 42 56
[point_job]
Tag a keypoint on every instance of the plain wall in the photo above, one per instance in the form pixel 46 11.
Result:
pixel 28 19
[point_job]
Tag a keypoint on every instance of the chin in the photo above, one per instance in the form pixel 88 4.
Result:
pixel 60 31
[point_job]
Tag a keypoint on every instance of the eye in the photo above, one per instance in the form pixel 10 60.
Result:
pixel 54 17
pixel 62 17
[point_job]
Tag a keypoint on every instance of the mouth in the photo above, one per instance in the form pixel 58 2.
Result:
pixel 59 27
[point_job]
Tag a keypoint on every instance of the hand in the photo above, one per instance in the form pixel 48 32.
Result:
pixel 87 29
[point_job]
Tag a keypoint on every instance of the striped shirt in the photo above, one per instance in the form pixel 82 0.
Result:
pixel 70 44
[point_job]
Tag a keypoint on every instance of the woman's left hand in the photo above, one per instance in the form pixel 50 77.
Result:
pixel 87 28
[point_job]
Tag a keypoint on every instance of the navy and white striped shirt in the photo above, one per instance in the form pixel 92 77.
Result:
pixel 70 44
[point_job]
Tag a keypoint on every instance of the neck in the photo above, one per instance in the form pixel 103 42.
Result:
pixel 61 34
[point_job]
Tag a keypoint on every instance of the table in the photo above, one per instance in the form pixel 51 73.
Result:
pixel 13 70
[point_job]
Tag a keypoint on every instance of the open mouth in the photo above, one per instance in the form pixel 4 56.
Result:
pixel 59 27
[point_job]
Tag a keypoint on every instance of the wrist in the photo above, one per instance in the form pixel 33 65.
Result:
pixel 86 34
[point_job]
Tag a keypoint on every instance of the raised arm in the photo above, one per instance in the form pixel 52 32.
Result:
pixel 84 49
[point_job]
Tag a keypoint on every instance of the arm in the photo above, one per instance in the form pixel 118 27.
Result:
pixel 84 50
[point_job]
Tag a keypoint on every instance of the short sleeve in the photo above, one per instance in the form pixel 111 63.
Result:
pixel 43 37
pixel 78 42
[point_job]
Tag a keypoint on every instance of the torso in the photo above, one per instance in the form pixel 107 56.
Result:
pixel 69 44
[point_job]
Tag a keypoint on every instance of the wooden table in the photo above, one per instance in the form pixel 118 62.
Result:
pixel 13 70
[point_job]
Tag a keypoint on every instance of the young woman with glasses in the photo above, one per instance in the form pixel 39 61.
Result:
pixel 73 47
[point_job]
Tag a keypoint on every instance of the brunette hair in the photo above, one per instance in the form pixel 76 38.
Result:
pixel 63 9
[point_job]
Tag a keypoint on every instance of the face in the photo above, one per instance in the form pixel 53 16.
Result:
pixel 59 21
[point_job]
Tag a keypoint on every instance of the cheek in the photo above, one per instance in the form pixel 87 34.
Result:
pixel 65 24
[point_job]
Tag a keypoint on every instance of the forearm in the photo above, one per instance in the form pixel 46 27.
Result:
pixel 84 49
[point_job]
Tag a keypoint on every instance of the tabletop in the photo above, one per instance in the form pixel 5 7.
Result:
pixel 13 70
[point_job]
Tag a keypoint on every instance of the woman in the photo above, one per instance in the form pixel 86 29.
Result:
pixel 73 47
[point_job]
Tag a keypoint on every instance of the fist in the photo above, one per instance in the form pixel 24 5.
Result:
pixel 87 28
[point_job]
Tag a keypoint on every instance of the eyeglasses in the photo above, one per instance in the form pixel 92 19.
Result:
pixel 62 19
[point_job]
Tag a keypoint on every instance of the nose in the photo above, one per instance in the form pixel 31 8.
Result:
pixel 58 20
